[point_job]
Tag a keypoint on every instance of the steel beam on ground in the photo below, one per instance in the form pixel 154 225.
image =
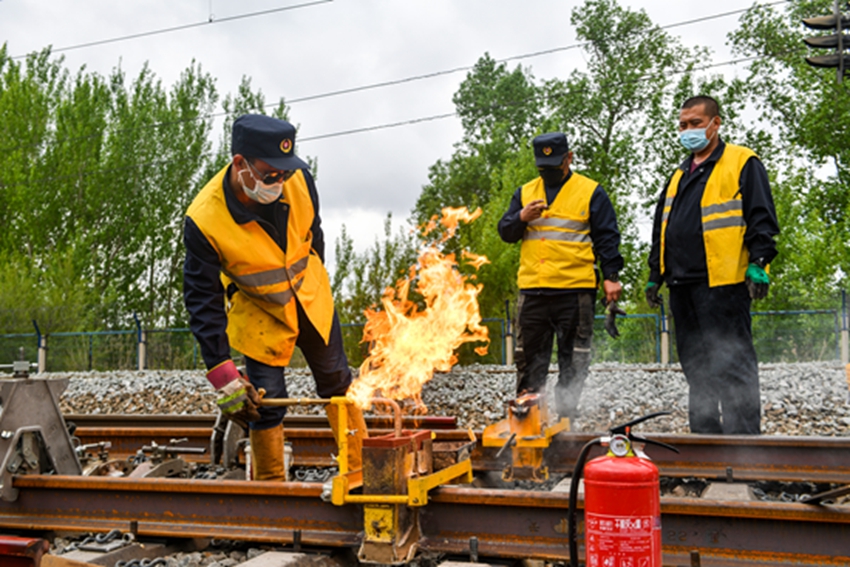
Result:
pixel 250 511
pixel 534 525
pixel 439 422
pixel 756 533
pixel 508 524
pixel 743 457
pixel 750 458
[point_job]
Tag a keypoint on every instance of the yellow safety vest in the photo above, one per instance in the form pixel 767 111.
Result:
pixel 557 251
pixel 262 319
pixel 723 224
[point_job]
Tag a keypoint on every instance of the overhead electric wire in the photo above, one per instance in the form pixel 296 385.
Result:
pixel 442 116
pixel 378 127
pixel 399 123
pixel 184 27
pixel 403 80
pixel 720 15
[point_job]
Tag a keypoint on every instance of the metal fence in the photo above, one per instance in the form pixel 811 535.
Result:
pixel 779 336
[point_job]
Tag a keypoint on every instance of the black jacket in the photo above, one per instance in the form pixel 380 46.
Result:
pixel 685 249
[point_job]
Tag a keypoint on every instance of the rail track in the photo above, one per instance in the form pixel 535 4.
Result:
pixel 713 457
pixel 460 521
pixel 502 523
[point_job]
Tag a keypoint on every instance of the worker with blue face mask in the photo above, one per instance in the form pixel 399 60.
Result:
pixel 254 280
pixel 712 241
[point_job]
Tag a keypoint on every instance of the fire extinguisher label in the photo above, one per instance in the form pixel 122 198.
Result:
pixel 622 541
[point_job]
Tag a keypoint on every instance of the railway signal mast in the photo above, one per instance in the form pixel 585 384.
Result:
pixel 839 41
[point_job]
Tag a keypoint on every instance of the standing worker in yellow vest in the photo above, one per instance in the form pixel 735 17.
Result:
pixel 566 223
pixel 254 279
pixel 712 240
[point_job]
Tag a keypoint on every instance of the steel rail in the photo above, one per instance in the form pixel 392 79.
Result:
pixel 506 524
pixel 727 457
pixel 733 458
pixel 208 421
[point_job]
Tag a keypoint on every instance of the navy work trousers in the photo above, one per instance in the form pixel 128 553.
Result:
pixel 715 344
pixel 327 362
pixel 541 318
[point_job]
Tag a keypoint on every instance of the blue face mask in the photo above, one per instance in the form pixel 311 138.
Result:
pixel 694 140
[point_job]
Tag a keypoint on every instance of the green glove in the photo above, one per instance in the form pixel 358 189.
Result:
pixel 652 296
pixel 758 281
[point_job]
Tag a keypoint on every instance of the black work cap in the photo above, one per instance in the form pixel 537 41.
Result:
pixel 266 138
pixel 550 149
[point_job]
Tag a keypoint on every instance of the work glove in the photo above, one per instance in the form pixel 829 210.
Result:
pixel 611 312
pixel 758 281
pixel 653 298
pixel 237 399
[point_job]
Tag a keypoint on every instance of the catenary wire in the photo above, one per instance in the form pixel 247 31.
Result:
pixel 410 79
pixel 448 115
pixel 376 127
pixel 211 21
pixel 502 60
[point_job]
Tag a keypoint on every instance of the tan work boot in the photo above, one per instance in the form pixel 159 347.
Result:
pixel 267 453
pixel 357 432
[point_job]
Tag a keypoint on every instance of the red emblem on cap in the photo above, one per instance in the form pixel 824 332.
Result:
pixel 286 145
pixel 547 151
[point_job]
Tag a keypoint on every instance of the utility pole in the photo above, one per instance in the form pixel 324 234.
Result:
pixel 839 41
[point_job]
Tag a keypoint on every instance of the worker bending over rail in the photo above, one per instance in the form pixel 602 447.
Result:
pixel 254 279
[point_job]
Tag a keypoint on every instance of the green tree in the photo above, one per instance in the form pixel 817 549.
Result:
pixel 801 130
pixel 499 110
pixel 618 113
pixel 96 174
pixel 359 280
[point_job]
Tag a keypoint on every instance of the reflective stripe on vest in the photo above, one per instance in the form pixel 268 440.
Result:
pixel 557 250
pixel 262 318
pixel 552 235
pixel 723 224
pixel 279 298
pixel 270 278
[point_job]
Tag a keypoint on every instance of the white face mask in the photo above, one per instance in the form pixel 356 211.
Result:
pixel 262 193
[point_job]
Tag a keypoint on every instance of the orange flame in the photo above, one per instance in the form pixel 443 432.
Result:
pixel 407 345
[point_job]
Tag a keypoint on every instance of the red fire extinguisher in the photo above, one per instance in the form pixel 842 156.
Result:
pixel 622 508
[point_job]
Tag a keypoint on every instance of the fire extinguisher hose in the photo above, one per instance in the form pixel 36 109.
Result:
pixel 571 513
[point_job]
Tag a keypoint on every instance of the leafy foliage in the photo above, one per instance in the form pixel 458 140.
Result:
pixel 618 116
pixel 802 132
pixel 97 171
pixel 359 280
pixel 95 176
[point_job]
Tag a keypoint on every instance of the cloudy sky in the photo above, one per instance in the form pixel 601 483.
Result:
pixel 322 46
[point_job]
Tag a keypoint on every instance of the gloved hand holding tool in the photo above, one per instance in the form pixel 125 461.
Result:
pixel 611 312
pixel 757 280
pixel 237 399
pixel 653 298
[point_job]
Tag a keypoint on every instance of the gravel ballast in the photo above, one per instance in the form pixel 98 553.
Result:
pixel 797 399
